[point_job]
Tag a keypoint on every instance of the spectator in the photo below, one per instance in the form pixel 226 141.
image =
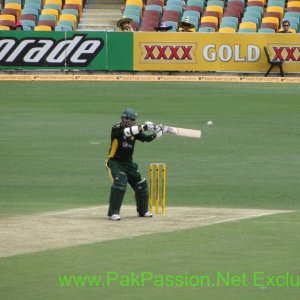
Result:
pixel 18 26
pixel 124 25
pixel 163 27
pixel 186 26
pixel 285 27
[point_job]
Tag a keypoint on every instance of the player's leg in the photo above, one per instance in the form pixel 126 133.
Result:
pixel 117 191
pixel 142 198
pixel 141 190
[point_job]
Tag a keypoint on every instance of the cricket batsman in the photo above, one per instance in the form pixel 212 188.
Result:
pixel 121 167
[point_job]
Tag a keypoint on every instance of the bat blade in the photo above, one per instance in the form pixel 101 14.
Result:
pixel 192 133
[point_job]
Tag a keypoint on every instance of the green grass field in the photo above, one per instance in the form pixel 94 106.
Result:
pixel 54 138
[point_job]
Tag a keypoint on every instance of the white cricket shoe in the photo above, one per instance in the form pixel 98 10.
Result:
pixel 148 215
pixel 115 217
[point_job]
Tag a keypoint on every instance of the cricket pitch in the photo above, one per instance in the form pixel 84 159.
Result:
pixel 72 227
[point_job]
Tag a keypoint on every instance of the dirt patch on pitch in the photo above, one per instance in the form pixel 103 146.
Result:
pixel 54 230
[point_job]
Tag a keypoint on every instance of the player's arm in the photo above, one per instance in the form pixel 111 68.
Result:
pixel 138 129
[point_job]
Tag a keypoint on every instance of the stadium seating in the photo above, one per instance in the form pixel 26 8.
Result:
pixel 16 6
pixel 56 2
pixel 63 28
pixel 228 24
pixel 74 6
pixel 233 20
pixel 7 23
pixel 171 15
pixel 49 11
pixel 7 18
pixel 262 16
pixel 2 27
pixel 28 23
pixel 214 8
pixel 227 30
pixel 266 30
pixel 252 20
pixel 155 2
pixel 246 30
pixel 173 24
pixel 210 19
pixel 71 12
pixel 250 25
pixel 53 6
pixel 206 29
pixel 191 13
pixel 271 20
pixel 69 17
pixel 13 1
pixel 10 11
pixel 65 24
pixel 42 28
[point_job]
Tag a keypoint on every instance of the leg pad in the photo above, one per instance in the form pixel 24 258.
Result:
pixel 117 194
pixel 142 197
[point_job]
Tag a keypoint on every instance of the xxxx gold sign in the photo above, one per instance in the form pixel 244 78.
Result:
pixel 287 53
pixel 168 53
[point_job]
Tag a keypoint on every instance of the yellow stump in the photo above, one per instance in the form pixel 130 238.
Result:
pixel 151 187
pixel 160 171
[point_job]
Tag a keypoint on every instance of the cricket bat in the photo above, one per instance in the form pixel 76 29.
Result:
pixel 192 133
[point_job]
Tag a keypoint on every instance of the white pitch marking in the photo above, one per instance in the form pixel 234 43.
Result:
pixel 197 219
pixel 244 217
pixel 71 211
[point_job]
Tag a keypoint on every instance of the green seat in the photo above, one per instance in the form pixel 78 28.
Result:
pixel 293 14
pixel 154 7
pixel 30 11
pixel 34 6
pixel 175 8
pixel 235 20
pixel 176 2
pixel 65 23
pixel 255 8
pixel 215 3
pixel 249 30
pixel 294 26
pixel 47 18
pixel 276 3
pixel 196 3
pixel 253 13
pixel 228 24
pixel 206 29
pixel 192 13
pixel 132 10
pixel 63 28
pixel 251 19
pixel 266 30
pixel 173 24
pixel 40 2
pixel 27 28
pixel 28 23
pixel 53 6
pixel 71 12
pixel 13 1
pixel 136 19
pixel 292 19
pixel 243 1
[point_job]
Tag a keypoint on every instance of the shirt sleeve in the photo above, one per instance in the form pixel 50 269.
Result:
pixel 145 137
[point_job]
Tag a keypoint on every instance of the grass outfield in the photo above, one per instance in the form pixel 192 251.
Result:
pixel 54 137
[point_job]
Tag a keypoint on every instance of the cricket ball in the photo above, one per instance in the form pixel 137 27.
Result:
pixel 209 123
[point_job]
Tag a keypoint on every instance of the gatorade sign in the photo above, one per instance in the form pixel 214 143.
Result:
pixel 76 51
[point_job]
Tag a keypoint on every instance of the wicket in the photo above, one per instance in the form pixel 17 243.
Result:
pixel 160 168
